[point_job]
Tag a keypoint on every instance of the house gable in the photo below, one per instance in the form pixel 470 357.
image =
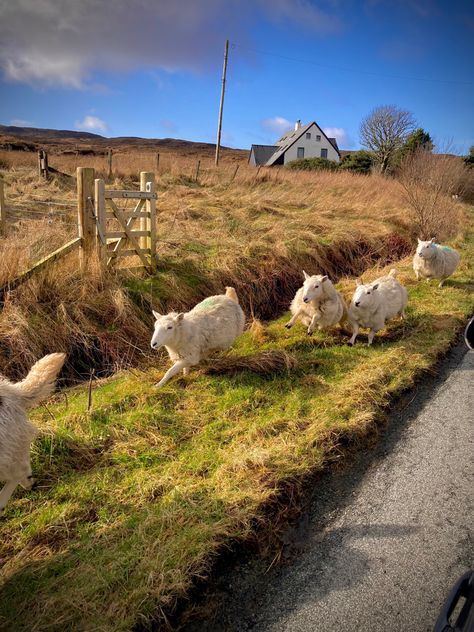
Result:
pixel 288 141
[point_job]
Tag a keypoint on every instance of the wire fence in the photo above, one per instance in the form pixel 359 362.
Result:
pixel 38 209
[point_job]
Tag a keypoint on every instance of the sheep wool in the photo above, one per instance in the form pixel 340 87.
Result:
pixel 211 325
pixel 16 432
pixel 433 261
pixel 317 303
pixel 375 303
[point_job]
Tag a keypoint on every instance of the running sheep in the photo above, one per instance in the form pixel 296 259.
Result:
pixel 211 325
pixel 317 302
pixel 432 261
pixel 16 432
pixel 375 303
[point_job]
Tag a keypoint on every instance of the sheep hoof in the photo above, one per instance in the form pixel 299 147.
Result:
pixel 309 332
pixel 288 325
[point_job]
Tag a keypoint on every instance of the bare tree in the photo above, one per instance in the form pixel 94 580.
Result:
pixel 429 183
pixel 384 131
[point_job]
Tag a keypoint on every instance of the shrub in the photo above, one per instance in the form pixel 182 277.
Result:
pixel 313 164
pixel 359 162
pixel 469 160
pixel 429 181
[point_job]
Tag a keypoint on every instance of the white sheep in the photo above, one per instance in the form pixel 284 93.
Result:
pixel 211 325
pixel 16 432
pixel 432 261
pixel 317 302
pixel 375 303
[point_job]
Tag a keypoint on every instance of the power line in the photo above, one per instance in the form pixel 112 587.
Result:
pixel 354 70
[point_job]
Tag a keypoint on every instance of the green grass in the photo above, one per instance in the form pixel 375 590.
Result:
pixel 136 497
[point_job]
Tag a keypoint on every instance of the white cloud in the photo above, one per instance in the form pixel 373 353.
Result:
pixel 277 125
pixel 64 42
pixel 92 123
pixel 344 141
pixel 16 122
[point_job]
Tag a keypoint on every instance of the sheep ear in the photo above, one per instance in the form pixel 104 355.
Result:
pixel 374 287
pixel 419 240
pixel 157 315
pixel 306 275
pixel 358 282
pixel 180 317
pixel 432 240
pixel 324 278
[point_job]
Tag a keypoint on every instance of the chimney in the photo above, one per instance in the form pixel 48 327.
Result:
pixel 297 124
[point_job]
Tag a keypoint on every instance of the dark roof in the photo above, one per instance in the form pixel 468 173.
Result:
pixel 263 153
pixel 286 141
pixel 333 142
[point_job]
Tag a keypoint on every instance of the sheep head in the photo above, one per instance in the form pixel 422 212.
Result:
pixel 166 329
pixel 426 249
pixel 313 286
pixel 365 296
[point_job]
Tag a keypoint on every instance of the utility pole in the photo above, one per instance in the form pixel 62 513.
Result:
pixel 221 107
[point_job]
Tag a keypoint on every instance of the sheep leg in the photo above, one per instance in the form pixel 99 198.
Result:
pixel 186 370
pixel 313 322
pixel 417 274
pixel 355 330
pixel 6 493
pixel 176 368
pixel 294 318
pixel 371 335
pixel 441 283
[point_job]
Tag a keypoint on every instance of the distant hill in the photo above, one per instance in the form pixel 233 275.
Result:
pixel 13 138
pixel 37 132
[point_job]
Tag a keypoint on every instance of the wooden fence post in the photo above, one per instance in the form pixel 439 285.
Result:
pixel 147 183
pixel 109 163
pixel 157 161
pixel 3 210
pixel 85 218
pixel 43 170
pixel 100 211
pixel 235 173
pixel 197 170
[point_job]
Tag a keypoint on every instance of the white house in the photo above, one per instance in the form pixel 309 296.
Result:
pixel 305 141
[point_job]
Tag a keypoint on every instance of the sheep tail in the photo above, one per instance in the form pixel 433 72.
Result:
pixel 232 294
pixel 39 382
pixel 393 273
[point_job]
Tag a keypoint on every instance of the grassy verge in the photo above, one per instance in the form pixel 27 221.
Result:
pixel 137 496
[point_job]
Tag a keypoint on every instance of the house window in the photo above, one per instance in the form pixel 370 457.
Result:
pixel 300 152
pixel 324 153
pixel 308 134
pixel 318 137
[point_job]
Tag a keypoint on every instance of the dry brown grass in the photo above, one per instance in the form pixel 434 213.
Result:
pixel 255 233
pixel 263 363
pixel 86 314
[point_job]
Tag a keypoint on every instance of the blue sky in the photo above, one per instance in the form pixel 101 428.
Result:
pixel 153 68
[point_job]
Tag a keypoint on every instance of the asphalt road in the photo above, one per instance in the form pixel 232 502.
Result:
pixel 381 542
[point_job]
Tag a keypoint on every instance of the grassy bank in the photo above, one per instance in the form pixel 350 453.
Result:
pixel 138 495
pixel 255 233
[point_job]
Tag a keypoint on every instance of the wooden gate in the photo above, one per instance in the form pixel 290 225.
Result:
pixel 118 235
